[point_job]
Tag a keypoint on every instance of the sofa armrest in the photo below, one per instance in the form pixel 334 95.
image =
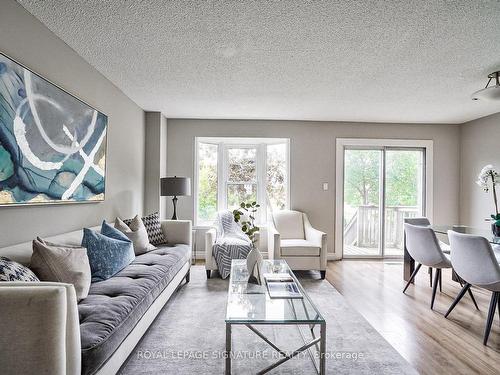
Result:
pixel 178 231
pixel 40 328
pixel 317 238
pixel 313 236
pixel 273 242
pixel 210 237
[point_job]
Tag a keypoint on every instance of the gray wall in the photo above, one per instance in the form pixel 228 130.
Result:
pixel 480 145
pixel 312 160
pixel 25 39
pixel 155 162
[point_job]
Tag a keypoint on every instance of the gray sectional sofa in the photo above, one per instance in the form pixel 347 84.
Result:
pixel 96 335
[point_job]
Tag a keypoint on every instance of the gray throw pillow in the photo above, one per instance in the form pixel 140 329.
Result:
pixel 62 263
pixel 136 232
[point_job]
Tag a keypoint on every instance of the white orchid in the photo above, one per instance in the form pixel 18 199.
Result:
pixel 489 174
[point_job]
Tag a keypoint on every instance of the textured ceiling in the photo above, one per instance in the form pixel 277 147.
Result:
pixel 383 61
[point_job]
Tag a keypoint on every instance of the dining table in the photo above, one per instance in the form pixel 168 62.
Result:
pixel 409 262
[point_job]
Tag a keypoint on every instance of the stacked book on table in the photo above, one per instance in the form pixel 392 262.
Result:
pixel 282 285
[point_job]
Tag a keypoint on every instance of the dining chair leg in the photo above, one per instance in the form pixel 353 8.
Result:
pixel 440 281
pixel 434 287
pixel 465 288
pixel 498 304
pixel 474 300
pixel 491 315
pixel 469 290
pixel 430 277
pixel 412 277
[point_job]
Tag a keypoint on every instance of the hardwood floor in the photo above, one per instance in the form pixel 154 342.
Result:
pixel 428 341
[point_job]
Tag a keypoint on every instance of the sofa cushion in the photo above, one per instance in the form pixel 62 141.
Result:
pixel 289 224
pixel 114 306
pixel 13 271
pixel 62 263
pixel 298 248
pixel 107 256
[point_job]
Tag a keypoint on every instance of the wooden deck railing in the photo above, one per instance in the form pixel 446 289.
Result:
pixel 363 229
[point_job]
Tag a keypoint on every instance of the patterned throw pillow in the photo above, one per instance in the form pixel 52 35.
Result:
pixel 13 271
pixel 153 227
pixel 107 256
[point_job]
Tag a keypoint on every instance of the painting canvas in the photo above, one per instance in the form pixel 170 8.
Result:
pixel 52 145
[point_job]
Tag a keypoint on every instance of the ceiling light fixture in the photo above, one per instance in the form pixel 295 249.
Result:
pixel 489 93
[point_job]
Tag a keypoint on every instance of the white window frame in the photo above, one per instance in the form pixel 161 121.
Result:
pixel 223 186
pixel 225 143
pixel 343 143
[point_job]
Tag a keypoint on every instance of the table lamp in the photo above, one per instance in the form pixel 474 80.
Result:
pixel 173 187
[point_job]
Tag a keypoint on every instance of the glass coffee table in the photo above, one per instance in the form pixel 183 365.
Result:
pixel 250 305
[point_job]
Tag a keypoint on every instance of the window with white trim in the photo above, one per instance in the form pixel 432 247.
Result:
pixel 229 171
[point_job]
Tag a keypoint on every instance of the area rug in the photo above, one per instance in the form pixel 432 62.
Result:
pixel 188 336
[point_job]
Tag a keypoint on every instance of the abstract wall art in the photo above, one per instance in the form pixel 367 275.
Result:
pixel 52 145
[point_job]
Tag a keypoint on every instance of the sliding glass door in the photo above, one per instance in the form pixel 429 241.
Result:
pixel 381 187
pixel 404 194
pixel 362 197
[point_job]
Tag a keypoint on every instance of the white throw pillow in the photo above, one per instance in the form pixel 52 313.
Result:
pixel 137 233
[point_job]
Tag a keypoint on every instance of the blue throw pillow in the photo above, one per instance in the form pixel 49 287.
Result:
pixel 112 232
pixel 107 256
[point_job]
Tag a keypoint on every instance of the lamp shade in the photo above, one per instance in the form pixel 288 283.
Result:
pixel 174 186
pixel 489 93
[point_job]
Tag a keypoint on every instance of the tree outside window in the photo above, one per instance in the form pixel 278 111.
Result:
pixel 231 171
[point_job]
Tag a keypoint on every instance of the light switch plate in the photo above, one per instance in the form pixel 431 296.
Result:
pixel 325 186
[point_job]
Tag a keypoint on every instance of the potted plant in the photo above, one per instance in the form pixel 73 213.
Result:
pixel 489 176
pixel 245 216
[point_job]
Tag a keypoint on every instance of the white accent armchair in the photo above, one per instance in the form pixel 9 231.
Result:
pixel 210 265
pixel 291 237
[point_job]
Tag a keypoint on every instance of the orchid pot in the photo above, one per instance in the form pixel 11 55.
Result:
pixel 495 229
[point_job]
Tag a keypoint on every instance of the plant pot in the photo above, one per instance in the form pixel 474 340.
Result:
pixel 495 229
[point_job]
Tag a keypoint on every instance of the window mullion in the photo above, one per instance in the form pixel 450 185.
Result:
pixel 261 181
pixel 221 177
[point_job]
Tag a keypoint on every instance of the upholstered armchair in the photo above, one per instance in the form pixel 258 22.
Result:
pixel 210 238
pixel 291 237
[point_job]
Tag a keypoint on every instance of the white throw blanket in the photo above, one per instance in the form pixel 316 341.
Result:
pixel 231 243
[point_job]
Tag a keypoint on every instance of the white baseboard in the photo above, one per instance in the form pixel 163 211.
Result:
pixel 201 255
pixel 332 257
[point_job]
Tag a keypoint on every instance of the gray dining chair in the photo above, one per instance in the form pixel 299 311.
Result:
pixel 423 246
pixel 424 222
pixel 474 262
pixel 420 221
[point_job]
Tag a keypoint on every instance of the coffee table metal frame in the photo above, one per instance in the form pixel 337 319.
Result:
pixel 295 319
